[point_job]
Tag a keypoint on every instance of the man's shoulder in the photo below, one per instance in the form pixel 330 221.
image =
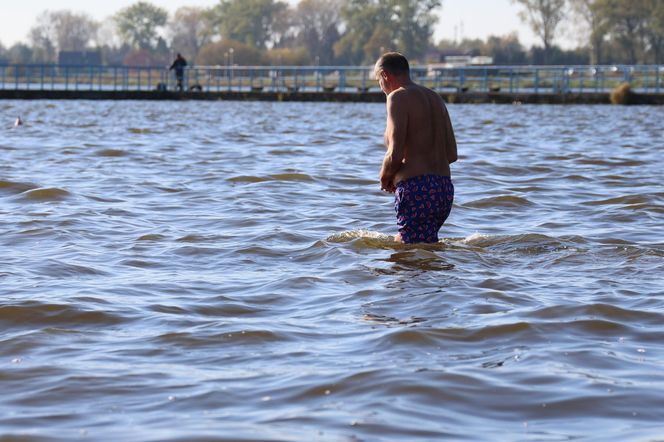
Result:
pixel 398 93
pixel 415 94
pixel 401 96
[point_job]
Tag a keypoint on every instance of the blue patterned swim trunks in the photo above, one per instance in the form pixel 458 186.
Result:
pixel 423 203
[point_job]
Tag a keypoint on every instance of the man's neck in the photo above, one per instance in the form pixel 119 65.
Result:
pixel 403 82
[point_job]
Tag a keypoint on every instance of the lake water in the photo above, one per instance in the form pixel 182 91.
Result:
pixel 211 271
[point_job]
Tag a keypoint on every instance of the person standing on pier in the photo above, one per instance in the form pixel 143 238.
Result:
pixel 420 148
pixel 178 65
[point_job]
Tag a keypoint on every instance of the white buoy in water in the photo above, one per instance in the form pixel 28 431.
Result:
pixel 18 122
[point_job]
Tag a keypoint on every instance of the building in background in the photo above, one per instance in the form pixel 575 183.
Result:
pixel 79 58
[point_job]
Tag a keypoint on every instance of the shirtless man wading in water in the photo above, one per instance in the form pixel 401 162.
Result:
pixel 420 148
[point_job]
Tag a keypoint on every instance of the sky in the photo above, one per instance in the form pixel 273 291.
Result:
pixel 458 18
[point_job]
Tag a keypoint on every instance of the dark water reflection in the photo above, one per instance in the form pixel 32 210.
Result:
pixel 225 271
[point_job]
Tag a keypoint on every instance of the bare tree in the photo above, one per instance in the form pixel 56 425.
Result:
pixel 318 27
pixel 544 17
pixel 595 23
pixel 75 32
pixel 190 30
pixel 62 31
pixel 42 39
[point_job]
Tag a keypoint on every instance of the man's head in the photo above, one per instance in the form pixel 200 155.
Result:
pixel 392 71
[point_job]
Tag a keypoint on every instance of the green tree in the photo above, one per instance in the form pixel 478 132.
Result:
pixel 414 21
pixel 375 25
pixel 219 54
pixel 283 30
pixel 626 21
pixel 506 50
pixel 138 25
pixel 360 18
pixel 247 21
pixel 655 29
pixel 20 53
pixel 380 40
pixel 544 18
pixel 287 57
pixel 559 56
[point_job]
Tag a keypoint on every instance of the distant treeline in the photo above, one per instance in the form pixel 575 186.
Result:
pixel 342 32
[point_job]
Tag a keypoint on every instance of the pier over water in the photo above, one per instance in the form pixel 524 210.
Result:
pixel 498 84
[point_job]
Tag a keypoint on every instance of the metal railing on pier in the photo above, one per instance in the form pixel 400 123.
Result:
pixel 330 79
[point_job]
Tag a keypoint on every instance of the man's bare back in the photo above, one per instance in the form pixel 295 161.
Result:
pixel 420 148
pixel 429 143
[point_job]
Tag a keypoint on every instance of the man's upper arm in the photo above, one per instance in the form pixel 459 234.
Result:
pixel 450 139
pixel 397 124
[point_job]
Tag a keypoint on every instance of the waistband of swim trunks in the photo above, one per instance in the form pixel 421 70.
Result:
pixel 421 178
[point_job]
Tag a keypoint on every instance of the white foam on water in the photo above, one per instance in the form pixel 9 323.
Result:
pixel 475 239
pixel 352 235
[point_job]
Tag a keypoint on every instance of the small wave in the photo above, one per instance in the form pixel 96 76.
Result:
pixel 277 177
pixel 292 177
pixel 36 314
pixel 524 243
pixel 104 199
pixel 60 269
pixel 499 201
pixel 577 178
pixel 280 152
pixel 198 251
pixel 247 179
pixel 600 312
pixel 425 336
pixel 45 194
pixel 111 153
pixel 560 157
pixel 16 187
pixel 514 125
pixel 139 130
pixel 140 264
pixel 151 237
pixel 198 340
pixel 195 238
pixel 355 181
pixel 612 163
pixel 627 200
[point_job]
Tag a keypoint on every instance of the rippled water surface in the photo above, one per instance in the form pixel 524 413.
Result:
pixel 224 271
